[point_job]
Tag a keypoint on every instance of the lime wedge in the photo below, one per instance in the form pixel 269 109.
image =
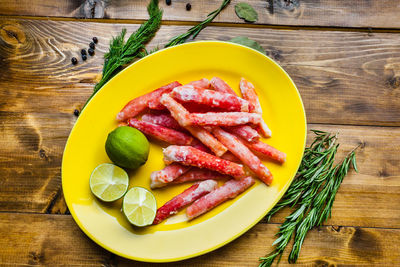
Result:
pixel 108 182
pixel 139 206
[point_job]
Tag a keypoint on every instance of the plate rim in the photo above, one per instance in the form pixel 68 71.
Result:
pixel 221 244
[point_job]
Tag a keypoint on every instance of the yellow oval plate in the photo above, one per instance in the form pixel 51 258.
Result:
pixel 176 239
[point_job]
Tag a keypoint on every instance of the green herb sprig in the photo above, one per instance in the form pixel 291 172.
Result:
pixel 311 194
pixel 121 53
pixel 195 30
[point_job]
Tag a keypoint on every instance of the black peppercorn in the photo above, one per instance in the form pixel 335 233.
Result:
pixel 188 6
pixel 74 60
pixel 83 52
pixel 92 45
pixel 95 40
pixel 84 57
pixel 168 2
pixel 76 112
pixel 91 51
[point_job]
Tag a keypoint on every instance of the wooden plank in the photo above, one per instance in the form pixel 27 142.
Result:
pixel 343 77
pixel 32 146
pixel 361 13
pixel 45 239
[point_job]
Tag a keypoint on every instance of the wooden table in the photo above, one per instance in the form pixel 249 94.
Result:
pixel 344 56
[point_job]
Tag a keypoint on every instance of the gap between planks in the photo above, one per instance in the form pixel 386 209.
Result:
pixel 216 24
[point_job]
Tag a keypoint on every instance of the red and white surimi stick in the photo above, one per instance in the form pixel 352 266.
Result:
pixel 191 156
pixel 163 120
pixel 160 132
pixel 230 189
pixel 202 83
pixel 221 86
pixel 178 112
pixel 196 174
pixel 182 116
pixel 183 199
pixel 211 98
pixel 246 132
pixel 137 105
pixel 244 154
pixel 154 103
pixel 249 93
pixel 266 151
pixel 224 118
pixel 168 174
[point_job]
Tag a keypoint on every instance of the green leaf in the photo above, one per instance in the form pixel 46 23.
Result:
pixel 246 12
pixel 248 42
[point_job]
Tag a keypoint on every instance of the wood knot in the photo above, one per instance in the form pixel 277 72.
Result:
pixel 336 228
pixel 274 53
pixel 393 82
pixel 365 245
pixel 289 5
pixel 35 257
pixel 42 154
pixel 93 9
pixel 12 35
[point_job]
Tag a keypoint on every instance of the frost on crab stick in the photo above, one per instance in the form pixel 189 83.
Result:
pixel 163 120
pixel 182 116
pixel 249 93
pixel 137 105
pixel 185 198
pixel 244 154
pixel 246 132
pixel 202 83
pixel 224 118
pixel 191 156
pixel 210 98
pixel 230 189
pixel 160 132
pixel 221 86
pixel 266 151
pixel 168 174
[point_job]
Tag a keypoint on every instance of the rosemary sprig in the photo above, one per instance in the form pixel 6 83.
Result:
pixel 312 194
pixel 195 30
pixel 121 53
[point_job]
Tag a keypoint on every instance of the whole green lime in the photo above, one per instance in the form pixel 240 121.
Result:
pixel 127 147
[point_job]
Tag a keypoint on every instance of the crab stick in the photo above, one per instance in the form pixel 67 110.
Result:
pixel 160 132
pixel 211 98
pixel 230 189
pixel 244 154
pixel 191 156
pixel 167 175
pixel 163 120
pixel 183 199
pixel 137 105
pixel 266 151
pixel 246 132
pixel 221 86
pixel 224 118
pixel 202 83
pixel 249 93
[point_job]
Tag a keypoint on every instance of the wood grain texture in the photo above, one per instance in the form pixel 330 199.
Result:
pixel 338 13
pixel 32 145
pixel 56 240
pixel 343 77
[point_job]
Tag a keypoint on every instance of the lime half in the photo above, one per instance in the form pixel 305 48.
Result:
pixel 139 206
pixel 108 182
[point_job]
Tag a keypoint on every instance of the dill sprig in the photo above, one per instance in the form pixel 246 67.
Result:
pixel 311 194
pixel 121 53
pixel 195 30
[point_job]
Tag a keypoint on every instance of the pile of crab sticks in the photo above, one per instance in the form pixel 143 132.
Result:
pixel 213 134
